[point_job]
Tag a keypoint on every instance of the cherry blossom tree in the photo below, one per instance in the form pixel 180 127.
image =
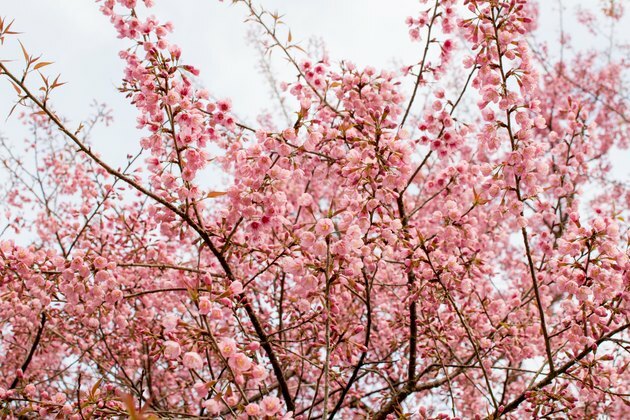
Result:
pixel 455 249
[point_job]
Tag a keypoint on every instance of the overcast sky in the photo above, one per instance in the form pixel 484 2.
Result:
pixel 83 45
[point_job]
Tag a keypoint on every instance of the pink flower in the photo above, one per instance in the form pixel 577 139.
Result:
pixel 59 398
pixel 583 293
pixel 212 406
pixel 259 373
pixel 270 405
pixel 236 287
pixel 324 227
pixel 309 283
pixel 224 105
pixel 102 276
pixel 253 410
pixel 307 239
pixel 30 390
pixel 205 306
pixel 192 360
pixel 201 389
pixel 599 224
pixel 100 263
pixel 240 362
pixel 305 200
pixel 172 350
pixel 227 347
pixel 170 322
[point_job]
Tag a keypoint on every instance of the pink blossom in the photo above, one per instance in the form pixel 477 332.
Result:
pixel 270 405
pixel 236 287
pixel 212 406
pixel 324 227
pixel 59 398
pixel 240 362
pixel 253 409
pixel 172 349
pixel 30 390
pixel 307 239
pixel 192 360
pixel 205 306
pixel 227 347
pixel 458 216
pixel 170 322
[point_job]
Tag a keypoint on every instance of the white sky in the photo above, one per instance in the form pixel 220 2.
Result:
pixel 83 45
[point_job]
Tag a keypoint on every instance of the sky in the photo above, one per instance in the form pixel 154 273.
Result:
pixel 212 34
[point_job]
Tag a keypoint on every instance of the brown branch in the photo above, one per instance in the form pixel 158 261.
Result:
pixel 29 357
pixel 413 311
pixel 422 64
pixel 513 405
pixel 409 389
pixel 161 266
pixel 530 262
pixel 464 323
pixel 272 33
pixel 366 343
pixel 262 336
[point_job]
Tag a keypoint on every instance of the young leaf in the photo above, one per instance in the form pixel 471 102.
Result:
pixel 26 56
pixel 17 88
pixel 214 194
pixel 42 64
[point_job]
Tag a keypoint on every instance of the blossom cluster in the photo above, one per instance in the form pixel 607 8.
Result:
pixel 371 258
